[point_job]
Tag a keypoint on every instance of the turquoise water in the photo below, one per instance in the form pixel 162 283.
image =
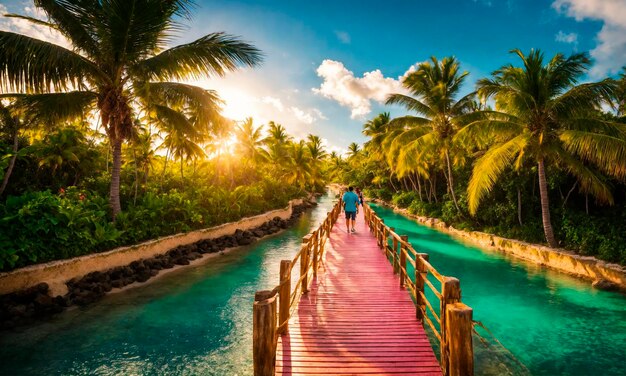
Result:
pixel 197 320
pixel 553 323
pixel 193 321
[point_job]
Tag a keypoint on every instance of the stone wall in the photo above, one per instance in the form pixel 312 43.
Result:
pixel 57 273
pixel 603 275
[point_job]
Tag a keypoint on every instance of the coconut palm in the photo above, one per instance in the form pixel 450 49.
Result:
pixel 298 171
pixel 11 125
pixel 543 117
pixel 434 87
pixel 250 141
pixel 353 150
pixel 318 155
pixel 376 130
pixel 119 54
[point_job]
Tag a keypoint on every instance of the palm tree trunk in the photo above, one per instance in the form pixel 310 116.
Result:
pixel 114 197
pixel 412 182
pixel 136 176
pixel 9 170
pixel 545 206
pixel 167 156
pixel 391 181
pixel 182 176
pixel 419 187
pixel 451 182
pixel 519 206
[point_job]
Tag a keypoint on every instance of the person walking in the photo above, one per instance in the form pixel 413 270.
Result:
pixel 351 208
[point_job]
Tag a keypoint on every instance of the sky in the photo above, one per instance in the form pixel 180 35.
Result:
pixel 329 65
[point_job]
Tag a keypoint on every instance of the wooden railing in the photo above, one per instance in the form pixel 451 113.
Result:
pixel 273 308
pixel 454 321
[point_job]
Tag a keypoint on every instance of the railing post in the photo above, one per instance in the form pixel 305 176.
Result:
pixel 396 263
pixel 304 262
pixel 381 232
pixel 450 294
pixel 403 273
pixel 420 276
pixel 459 340
pixel 284 296
pixel 393 240
pixel 316 243
pixel 264 333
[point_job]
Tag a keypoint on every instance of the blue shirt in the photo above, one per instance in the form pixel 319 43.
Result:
pixel 351 201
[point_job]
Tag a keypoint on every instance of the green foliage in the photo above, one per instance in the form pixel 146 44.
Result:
pixel 43 226
pixel 404 199
pixel 604 236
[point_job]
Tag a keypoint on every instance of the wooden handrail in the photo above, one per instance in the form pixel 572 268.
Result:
pixel 454 319
pixel 267 324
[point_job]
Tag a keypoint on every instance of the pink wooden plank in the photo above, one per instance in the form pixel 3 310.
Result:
pixel 356 319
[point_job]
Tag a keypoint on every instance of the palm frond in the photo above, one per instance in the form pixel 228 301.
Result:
pixel 54 108
pixel 32 20
pixel 488 168
pixel 29 64
pixel 76 21
pixel 410 104
pixel 213 54
pixel 590 181
pixel 482 133
pixel 607 152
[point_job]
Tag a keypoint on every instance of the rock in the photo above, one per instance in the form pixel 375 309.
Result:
pixel 43 301
pixel 194 256
pixel 246 241
pixel 273 230
pixel 603 284
pixel 117 283
pixel 17 310
pixel 181 261
pixel 259 233
pixel 142 277
pixel 62 301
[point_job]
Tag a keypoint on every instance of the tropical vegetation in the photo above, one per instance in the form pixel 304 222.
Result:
pixel 531 153
pixel 104 144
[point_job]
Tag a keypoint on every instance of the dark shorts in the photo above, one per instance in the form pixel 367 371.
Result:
pixel 351 215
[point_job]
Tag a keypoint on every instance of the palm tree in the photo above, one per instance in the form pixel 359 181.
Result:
pixel 298 171
pixel 250 141
pixel 118 54
pixel 353 150
pixel 10 124
pixel 434 88
pixel 318 155
pixel 376 129
pixel 544 117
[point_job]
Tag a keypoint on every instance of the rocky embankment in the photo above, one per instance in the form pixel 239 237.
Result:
pixel 35 303
pixel 603 275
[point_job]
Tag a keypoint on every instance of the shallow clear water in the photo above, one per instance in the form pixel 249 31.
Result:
pixel 193 321
pixel 553 323
pixel 197 320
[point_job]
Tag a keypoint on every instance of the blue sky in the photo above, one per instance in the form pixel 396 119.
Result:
pixel 329 64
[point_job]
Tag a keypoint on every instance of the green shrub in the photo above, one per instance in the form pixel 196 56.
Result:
pixel 404 199
pixel 43 226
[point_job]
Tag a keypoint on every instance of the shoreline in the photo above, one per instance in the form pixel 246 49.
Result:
pixel 603 275
pixel 39 291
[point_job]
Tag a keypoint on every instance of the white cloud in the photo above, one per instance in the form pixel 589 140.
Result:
pixel 570 38
pixel 25 27
pixel 343 36
pixel 356 93
pixel 308 117
pixel 276 102
pixel 610 52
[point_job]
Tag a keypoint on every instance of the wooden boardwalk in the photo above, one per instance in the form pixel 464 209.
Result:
pixel 355 319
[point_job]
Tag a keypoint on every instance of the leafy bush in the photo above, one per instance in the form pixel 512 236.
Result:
pixel 43 226
pixel 404 199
